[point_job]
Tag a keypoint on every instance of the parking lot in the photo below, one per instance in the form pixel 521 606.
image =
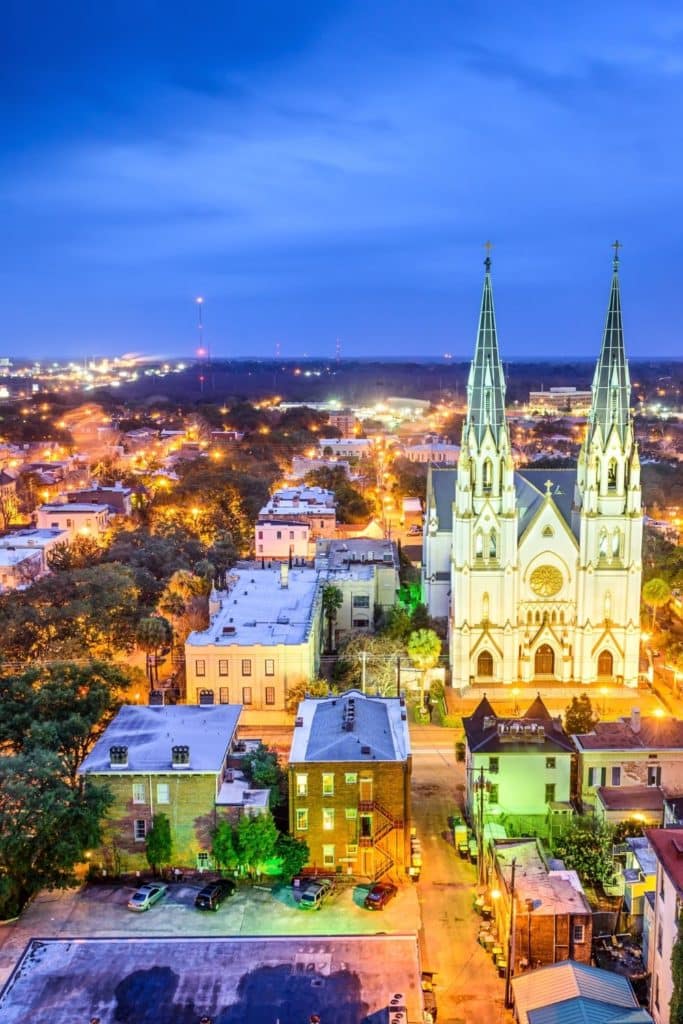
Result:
pixel 100 911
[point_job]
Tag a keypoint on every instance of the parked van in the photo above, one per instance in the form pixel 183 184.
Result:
pixel 314 894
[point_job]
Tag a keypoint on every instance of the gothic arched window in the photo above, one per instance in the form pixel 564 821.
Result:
pixel 485 608
pixel 479 546
pixel 493 544
pixel 602 544
pixel 488 475
pixel 616 544
pixel 612 474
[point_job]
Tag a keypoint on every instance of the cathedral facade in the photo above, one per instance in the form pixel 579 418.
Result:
pixel 539 571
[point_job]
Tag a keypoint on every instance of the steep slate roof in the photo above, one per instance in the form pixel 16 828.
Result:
pixel 530 488
pixel 611 383
pixel 538 710
pixel 574 993
pixel 443 492
pixel 481 731
pixel 654 734
pixel 486 381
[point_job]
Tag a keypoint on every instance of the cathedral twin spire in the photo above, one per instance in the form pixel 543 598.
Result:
pixel 610 405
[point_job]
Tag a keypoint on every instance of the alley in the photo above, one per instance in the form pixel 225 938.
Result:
pixel 468 987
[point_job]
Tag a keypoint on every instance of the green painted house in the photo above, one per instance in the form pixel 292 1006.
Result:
pixel 518 770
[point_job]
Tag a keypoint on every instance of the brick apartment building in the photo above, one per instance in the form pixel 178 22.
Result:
pixel 174 760
pixel 349 784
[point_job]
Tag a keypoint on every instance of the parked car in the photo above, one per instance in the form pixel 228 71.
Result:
pixel 379 895
pixel 314 894
pixel 147 896
pixel 213 894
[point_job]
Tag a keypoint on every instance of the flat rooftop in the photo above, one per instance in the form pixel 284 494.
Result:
pixel 13 556
pixel 341 554
pixel 378 731
pixel 31 538
pixel 258 610
pixel 70 507
pixel 552 891
pixel 259 980
pixel 149 733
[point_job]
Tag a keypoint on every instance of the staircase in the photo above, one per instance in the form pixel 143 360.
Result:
pixel 386 824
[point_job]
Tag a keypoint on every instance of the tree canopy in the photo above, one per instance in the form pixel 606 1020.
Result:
pixel 579 716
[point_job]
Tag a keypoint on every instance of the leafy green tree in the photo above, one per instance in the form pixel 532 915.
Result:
pixel 332 602
pixel 222 553
pixel 223 846
pixel 399 624
pixel 676 1004
pixel 424 650
pixel 159 843
pixel 61 708
pixel 381 655
pixel 586 847
pixel 352 507
pixel 579 716
pixel 46 826
pixel 311 688
pixel 81 553
pixel 153 633
pixel 256 841
pixel 293 854
pixel 262 768
pixel 656 594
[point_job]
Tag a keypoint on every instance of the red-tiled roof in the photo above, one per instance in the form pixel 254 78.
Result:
pixel 668 846
pixel 654 734
pixel 631 798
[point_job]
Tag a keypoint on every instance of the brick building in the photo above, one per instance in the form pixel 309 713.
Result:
pixel 553 919
pixel 349 784
pixel 174 760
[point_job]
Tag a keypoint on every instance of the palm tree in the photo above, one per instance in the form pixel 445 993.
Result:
pixel 424 649
pixel 656 594
pixel 152 634
pixel 332 602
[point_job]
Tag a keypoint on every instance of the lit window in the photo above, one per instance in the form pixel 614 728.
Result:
pixel 302 785
pixel 302 819
pixel 138 792
pixel 351 813
pixel 351 778
pixel 328 819
pixel 139 830
pixel 163 793
pixel 328 783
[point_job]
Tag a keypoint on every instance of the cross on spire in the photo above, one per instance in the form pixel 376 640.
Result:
pixel 487 262
pixel 616 245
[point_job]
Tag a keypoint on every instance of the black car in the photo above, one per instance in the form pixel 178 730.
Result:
pixel 379 896
pixel 213 894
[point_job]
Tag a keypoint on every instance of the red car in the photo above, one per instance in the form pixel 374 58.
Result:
pixel 379 896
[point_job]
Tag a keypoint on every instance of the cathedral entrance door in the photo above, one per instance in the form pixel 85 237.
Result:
pixel 544 662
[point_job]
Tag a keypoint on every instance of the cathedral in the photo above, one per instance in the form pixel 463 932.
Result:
pixel 538 571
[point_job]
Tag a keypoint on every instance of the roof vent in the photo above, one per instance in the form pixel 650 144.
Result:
pixel 156 698
pixel 205 697
pixel 180 757
pixel 365 750
pixel 635 720
pixel 403 716
pixel 118 757
pixel 299 721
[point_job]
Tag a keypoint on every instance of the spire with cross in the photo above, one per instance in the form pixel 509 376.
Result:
pixel 611 383
pixel 486 381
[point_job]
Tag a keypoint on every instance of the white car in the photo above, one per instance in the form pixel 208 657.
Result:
pixel 147 896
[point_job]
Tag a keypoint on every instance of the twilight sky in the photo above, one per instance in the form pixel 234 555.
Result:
pixel 324 168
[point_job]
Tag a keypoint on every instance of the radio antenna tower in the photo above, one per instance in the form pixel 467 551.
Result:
pixel 202 351
pixel 337 350
pixel 277 349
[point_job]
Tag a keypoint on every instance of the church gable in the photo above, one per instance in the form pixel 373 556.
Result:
pixel 547 530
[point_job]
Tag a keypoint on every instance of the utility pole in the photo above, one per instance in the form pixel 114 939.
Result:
pixel 480 837
pixel 363 659
pixel 511 937
pixel 398 675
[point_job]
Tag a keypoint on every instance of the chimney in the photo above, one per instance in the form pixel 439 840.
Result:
pixel 284 575
pixel 180 757
pixel 635 720
pixel 118 757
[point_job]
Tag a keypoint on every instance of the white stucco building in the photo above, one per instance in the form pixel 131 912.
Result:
pixel 539 571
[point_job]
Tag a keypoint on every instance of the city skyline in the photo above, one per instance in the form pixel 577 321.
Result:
pixel 333 173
